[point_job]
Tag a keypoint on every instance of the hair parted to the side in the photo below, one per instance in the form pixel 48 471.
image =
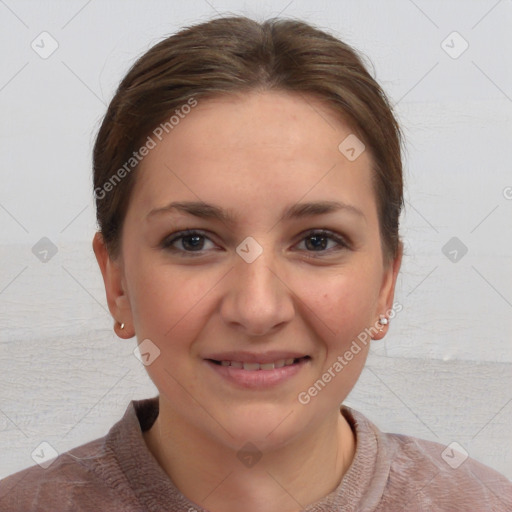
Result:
pixel 232 55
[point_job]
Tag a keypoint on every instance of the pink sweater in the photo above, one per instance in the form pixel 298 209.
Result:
pixel 389 473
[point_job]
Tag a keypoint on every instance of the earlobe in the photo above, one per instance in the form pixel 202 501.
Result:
pixel 387 292
pixel 117 299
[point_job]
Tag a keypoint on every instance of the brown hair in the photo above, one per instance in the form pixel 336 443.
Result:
pixel 232 55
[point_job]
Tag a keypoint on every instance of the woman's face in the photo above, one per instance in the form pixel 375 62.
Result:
pixel 254 282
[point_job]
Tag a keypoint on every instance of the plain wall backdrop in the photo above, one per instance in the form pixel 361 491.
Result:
pixel 442 373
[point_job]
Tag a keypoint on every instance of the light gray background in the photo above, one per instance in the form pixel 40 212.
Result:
pixel 444 370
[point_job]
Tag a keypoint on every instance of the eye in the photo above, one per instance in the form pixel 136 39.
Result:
pixel 186 242
pixel 193 242
pixel 319 240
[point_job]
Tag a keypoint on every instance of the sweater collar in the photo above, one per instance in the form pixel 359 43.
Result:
pixel 361 488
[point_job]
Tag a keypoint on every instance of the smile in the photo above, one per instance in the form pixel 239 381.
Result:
pixel 260 372
pixel 254 366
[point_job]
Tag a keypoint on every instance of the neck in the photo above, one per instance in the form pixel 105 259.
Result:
pixel 286 478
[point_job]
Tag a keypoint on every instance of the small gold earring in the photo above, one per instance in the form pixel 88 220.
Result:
pixel 118 327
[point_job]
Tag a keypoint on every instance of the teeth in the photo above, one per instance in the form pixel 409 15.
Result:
pixel 252 366
pixel 257 366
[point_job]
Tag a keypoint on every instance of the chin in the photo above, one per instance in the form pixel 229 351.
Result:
pixel 266 425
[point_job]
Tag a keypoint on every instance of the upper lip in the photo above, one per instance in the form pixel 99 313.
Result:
pixel 252 357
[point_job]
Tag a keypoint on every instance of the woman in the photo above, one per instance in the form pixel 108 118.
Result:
pixel 248 186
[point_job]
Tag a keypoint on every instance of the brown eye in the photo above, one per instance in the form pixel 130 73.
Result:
pixel 322 241
pixel 186 242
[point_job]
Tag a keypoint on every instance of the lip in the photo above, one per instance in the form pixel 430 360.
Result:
pixel 256 379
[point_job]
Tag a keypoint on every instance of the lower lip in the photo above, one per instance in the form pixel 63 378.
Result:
pixel 257 379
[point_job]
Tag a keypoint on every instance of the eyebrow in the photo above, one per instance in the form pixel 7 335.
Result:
pixel 299 210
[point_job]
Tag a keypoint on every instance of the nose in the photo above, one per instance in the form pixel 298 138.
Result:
pixel 257 301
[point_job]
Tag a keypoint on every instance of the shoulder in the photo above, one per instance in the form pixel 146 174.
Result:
pixel 72 482
pixel 98 475
pixel 407 473
pixel 433 476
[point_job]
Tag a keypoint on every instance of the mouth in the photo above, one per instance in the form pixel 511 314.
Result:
pixel 256 372
pixel 255 366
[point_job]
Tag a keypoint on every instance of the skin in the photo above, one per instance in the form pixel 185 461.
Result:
pixel 254 155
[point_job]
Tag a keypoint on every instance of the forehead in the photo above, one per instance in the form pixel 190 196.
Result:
pixel 274 146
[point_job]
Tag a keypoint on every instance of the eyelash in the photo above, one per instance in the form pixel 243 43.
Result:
pixel 169 240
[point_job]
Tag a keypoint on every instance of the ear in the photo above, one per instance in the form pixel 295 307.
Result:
pixel 387 290
pixel 115 288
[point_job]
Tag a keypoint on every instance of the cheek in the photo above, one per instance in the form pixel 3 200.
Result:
pixel 345 306
pixel 170 308
pixel 167 304
pixel 341 302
